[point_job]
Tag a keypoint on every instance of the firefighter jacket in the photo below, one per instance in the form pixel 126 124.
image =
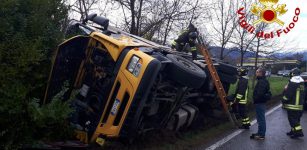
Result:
pixel 184 39
pixel 241 92
pixel 261 89
pixel 294 94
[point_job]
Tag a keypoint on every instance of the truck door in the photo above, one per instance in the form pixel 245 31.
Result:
pixel 65 68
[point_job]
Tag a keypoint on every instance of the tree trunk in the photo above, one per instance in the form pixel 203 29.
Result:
pixel 132 27
pixel 166 30
pixel 138 23
pixel 222 53
pixel 256 63
pixel 81 10
pixel 241 58
pixel 85 9
pixel 242 53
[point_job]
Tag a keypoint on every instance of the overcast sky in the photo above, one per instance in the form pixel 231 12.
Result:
pixel 299 32
pixel 296 39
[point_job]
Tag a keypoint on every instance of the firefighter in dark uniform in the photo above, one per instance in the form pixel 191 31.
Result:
pixel 240 98
pixel 187 36
pixel 293 101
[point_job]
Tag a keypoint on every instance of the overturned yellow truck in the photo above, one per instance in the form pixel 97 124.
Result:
pixel 122 85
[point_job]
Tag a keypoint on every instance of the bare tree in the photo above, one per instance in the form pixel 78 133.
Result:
pixel 147 18
pixel 243 37
pixel 176 14
pixel 223 22
pixel 83 7
pixel 169 18
pixel 265 46
pixel 106 6
pixel 135 7
pixel 259 42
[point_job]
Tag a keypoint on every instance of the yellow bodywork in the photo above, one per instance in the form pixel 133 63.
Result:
pixel 116 45
pixel 128 82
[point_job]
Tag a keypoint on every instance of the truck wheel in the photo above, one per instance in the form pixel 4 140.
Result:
pixel 185 72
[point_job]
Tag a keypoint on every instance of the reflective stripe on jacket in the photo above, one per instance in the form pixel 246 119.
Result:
pixel 293 98
pixel 242 91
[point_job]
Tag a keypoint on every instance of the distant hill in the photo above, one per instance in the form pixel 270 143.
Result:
pixel 234 53
pixel 291 54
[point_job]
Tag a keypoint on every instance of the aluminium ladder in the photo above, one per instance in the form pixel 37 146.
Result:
pixel 217 81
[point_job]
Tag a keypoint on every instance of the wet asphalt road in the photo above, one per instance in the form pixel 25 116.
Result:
pixel 276 138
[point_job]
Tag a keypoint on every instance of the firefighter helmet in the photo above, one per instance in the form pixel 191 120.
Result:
pixel 295 72
pixel 192 35
pixel 242 71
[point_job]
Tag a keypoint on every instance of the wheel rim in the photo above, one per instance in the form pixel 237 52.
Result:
pixel 186 64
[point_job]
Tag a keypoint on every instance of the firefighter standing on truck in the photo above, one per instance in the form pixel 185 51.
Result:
pixel 188 36
pixel 293 101
pixel 240 98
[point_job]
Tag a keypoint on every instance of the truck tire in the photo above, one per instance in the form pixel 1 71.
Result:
pixel 185 72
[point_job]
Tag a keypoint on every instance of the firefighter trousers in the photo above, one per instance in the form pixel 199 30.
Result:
pixel 241 109
pixel 294 118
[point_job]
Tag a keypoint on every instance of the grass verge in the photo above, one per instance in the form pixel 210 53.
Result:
pixel 277 85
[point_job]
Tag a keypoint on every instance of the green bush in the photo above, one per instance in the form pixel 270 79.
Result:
pixel 29 32
pixel 33 123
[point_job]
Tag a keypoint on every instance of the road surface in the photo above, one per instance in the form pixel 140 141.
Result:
pixel 276 138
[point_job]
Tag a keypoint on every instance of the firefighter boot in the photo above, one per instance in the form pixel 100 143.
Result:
pixel 290 133
pixel 297 133
pixel 245 126
pixel 245 123
pixel 256 136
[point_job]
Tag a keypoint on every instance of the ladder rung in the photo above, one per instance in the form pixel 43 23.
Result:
pixel 214 73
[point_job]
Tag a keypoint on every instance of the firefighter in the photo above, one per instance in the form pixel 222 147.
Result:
pixel 293 100
pixel 240 97
pixel 188 36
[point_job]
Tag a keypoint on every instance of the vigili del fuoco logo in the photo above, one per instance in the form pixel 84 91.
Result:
pixel 268 12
